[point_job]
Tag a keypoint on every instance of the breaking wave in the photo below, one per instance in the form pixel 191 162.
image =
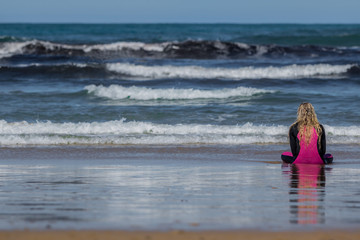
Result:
pixel 200 49
pixel 144 133
pixel 142 93
pixel 285 72
pixel 141 72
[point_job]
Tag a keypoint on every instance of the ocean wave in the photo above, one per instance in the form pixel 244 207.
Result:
pixel 142 93
pixel 144 72
pixel 122 132
pixel 38 47
pixel 200 49
pixel 285 72
pixel 135 46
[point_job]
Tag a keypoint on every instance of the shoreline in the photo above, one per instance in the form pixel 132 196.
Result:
pixel 343 153
pixel 179 235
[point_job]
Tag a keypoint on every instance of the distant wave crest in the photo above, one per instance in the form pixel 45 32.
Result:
pixel 150 72
pixel 142 93
pixel 197 49
pixel 291 71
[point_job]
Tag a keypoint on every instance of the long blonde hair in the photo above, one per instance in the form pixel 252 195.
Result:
pixel 306 120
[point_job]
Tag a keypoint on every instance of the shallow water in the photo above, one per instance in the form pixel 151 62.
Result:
pixel 190 188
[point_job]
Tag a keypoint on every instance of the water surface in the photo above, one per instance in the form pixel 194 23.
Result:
pixel 190 188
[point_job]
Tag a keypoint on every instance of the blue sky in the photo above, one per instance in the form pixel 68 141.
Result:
pixel 186 11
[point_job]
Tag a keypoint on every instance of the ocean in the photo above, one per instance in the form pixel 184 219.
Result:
pixel 169 84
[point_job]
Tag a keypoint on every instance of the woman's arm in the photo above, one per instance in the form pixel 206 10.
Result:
pixel 322 149
pixel 293 132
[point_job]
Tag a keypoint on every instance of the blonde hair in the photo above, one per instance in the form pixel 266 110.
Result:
pixel 306 120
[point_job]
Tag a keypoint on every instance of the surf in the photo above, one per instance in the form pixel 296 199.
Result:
pixel 188 49
pixel 120 132
pixel 197 72
pixel 117 92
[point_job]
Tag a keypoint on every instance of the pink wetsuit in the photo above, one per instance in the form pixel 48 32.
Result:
pixel 309 153
pixel 313 153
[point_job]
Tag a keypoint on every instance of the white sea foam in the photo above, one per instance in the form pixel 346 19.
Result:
pixel 352 131
pixel 136 46
pixel 142 93
pixel 11 48
pixel 123 132
pixel 167 71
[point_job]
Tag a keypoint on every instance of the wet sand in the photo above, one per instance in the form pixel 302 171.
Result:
pixel 196 190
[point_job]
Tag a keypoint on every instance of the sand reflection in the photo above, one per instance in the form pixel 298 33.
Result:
pixel 307 194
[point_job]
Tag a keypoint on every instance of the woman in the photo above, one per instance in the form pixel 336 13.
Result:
pixel 307 139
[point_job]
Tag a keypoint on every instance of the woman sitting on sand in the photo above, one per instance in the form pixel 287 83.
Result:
pixel 307 139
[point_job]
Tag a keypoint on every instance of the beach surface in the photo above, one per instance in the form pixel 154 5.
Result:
pixel 179 235
pixel 171 188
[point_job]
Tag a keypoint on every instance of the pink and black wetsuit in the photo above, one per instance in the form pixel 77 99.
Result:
pixel 313 153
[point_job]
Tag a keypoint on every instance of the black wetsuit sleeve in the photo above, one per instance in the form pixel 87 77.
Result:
pixel 322 148
pixel 294 142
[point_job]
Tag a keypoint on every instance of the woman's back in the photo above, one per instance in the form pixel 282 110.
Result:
pixel 309 152
pixel 307 139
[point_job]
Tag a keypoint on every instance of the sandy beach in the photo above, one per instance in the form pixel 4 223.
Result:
pixel 179 235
